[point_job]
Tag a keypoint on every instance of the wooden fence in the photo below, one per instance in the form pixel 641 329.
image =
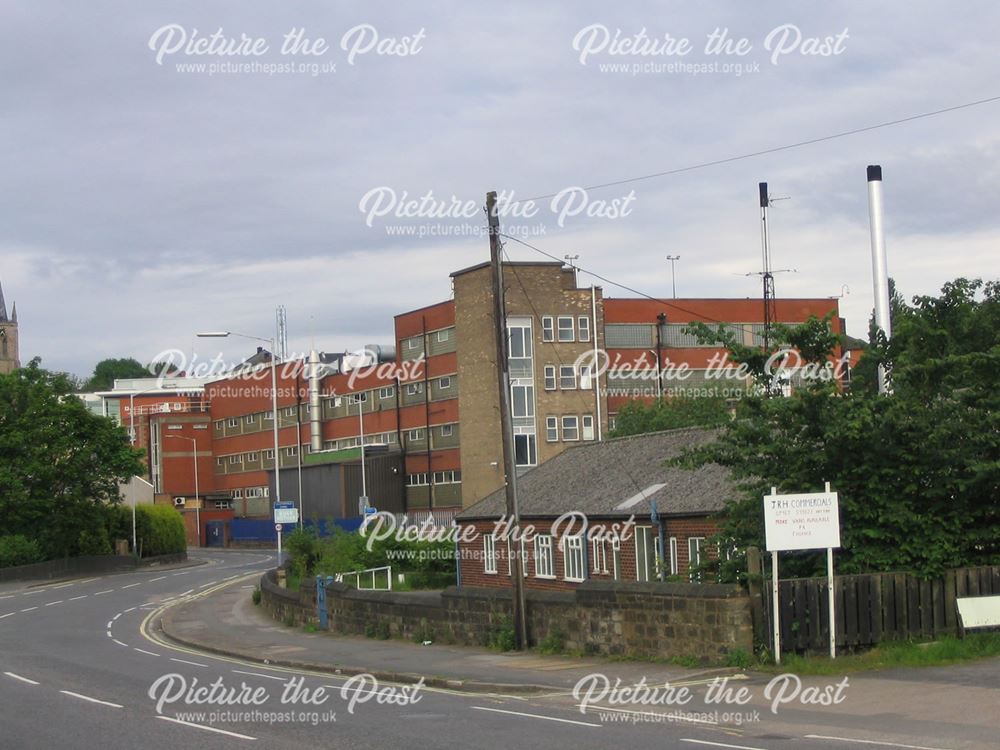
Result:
pixel 874 607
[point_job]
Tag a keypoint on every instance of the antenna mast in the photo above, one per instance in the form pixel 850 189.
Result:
pixel 770 311
pixel 281 340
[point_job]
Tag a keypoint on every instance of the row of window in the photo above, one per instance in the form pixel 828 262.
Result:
pixel 573 428
pixel 605 556
pixel 567 379
pixel 254 456
pixel 563 328
pixel 440 477
pixel 415 342
pixel 250 492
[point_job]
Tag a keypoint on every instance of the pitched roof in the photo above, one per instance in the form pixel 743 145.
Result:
pixel 618 477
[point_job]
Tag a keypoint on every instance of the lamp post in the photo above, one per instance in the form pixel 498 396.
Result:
pixel 197 494
pixel 362 397
pixel 132 434
pixel 274 397
pixel 673 278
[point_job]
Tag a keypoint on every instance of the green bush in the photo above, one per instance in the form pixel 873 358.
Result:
pixel 160 530
pixel 305 550
pixel 17 549
pixel 256 596
pixel 502 637
pixel 553 643
pixel 94 542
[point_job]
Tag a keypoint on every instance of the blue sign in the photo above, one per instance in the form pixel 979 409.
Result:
pixel 283 506
pixel 370 511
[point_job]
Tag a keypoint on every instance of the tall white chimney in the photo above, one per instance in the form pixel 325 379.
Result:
pixel 880 271
pixel 315 415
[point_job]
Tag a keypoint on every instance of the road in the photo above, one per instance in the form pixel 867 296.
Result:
pixel 78 660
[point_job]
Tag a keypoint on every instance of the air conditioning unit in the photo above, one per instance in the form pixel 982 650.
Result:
pixel 179 502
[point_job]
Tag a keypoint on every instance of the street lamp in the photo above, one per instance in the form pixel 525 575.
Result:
pixel 197 497
pixel 673 278
pixel 132 433
pixel 274 396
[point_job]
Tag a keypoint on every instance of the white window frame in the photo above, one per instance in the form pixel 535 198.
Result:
pixel 573 559
pixel 250 418
pixel 548 329
pixel 442 336
pixel 563 377
pixel 236 459
pixel 237 494
pixel 415 435
pixel 233 422
pixel 574 430
pixel 695 544
pixel 269 454
pixel 587 427
pixel 552 429
pixel 674 565
pixel 387 391
pixel 413 343
pixel 544 557
pixel 599 556
pixel 252 457
pixel 489 554
pixel 291 451
pixel 570 331
pixel 583 328
pixel 447 430
pixel 413 389
pixel 444 382
pixel 549 377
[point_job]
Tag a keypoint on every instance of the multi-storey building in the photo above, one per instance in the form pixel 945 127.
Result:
pixel 431 402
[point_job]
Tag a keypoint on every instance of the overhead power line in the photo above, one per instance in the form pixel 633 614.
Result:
pixel 773 150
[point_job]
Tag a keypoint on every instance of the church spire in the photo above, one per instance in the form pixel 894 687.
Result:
pixel 3 307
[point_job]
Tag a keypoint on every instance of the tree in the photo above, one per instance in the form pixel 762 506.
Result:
pixel 60 465
pixel 108 370
pixel 918 472
pixel 636 417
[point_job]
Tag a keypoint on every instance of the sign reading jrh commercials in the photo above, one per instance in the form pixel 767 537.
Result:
pixel 807 521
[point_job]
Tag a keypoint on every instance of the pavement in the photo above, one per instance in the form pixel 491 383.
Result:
pixel 229 623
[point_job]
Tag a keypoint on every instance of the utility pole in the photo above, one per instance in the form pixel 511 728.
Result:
pixel 506 426
pixel 673 276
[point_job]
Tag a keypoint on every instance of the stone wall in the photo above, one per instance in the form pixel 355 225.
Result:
pixel 645 620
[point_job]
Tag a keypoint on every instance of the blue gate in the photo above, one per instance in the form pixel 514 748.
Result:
pixel 215 533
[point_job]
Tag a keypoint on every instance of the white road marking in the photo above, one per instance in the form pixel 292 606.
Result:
pixel 52 604
pixel 9 614
pixel 154 580
pixel 78 597
pixel 257 674
pixel 88 698
pixel 186 593
pixel 129 609
pixel 872 742
pixel 109 634
pixel 62 586
pixel 207 729
pixel 131 585
pixel 185 661
pixel 535 716
pixel 22 679
pixel 206 585
pixel 7 597
pixel 722 744
pixel 38 591
pixel 28 609
pixel 116 617
pixel 144 651
pixel 106 591
pixel 110 623
pixel 120 643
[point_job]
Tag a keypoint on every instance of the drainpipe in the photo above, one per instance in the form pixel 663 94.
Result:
pixel 595 375
pixel 660 320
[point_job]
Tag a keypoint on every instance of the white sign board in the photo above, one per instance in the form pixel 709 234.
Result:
pixel 808 521
pixel 286 515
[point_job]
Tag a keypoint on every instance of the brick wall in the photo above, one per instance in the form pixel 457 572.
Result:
pixel 705 621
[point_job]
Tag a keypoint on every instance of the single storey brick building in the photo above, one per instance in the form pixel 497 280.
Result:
pixel 600 511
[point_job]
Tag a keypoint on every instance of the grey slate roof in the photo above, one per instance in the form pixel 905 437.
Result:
pixel 596 478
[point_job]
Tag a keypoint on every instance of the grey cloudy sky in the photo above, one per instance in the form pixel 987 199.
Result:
pixel 142 202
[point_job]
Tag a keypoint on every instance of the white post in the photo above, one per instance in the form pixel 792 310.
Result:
pixel 829 584
pixel 361 429
pixel 279 548
pixel 880 273
pixel 277 450
pixel 135 548
pixel 197 498
pixel 774 600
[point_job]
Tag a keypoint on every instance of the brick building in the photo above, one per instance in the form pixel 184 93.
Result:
pixel 600 511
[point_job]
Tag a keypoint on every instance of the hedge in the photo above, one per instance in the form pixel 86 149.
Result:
pixel 159 528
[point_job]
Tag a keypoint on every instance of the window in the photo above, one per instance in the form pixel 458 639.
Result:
pixel 413 343
pixel 588 426
pixel 519 347
pixel 599 553
pixel 412 389
pixel 694 555
pixel 510 557
pixel 645 554
pixel 251 457
pixel 387 392
pixel 550 377
pixel 415 435
pixel 583 325
pixel 524 450
pixel 233 422
pixel 220 461
pixel 290 411
pixel 442 336
pixel 235 459
pixel 250 418
pixel 573 558
pixel 269 454
pixel 358 398
pixel 543 556
pixel 269 416
pixel 548 333
pixel 673 556
pixel 522 400
pixel 237 494
pixel 219 424
pixel 616 556
pixel 585 381
pixel 444 382
pixel 416 480
pixel 489 554
pixel 292 451
pixel 570 428
pixel 566 328
pixel 551 429
pixel 567 377
pixel 447 430
pixel 223 505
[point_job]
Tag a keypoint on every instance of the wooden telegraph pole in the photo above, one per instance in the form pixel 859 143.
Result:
pixel 506 427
